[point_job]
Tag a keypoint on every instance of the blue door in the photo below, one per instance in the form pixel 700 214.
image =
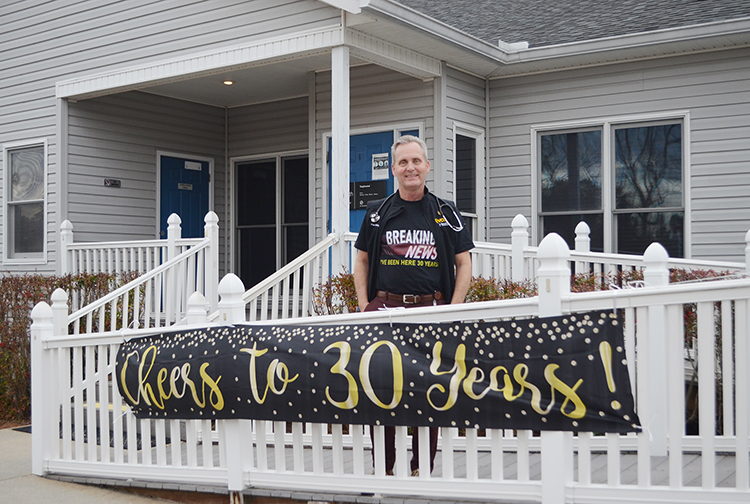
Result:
pixel 184 191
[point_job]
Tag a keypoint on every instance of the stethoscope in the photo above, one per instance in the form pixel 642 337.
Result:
pixel 375 216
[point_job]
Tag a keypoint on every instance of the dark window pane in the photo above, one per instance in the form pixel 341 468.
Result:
pixel 648 166
pixel 636 231
pixel 28 227
pixel 256 193
pixel 257 254
pixel 296 239
pixel 565 226
pixel 295 190
pixel 466 173
pixel 571 166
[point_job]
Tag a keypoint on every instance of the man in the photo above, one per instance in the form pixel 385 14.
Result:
pixel 413 250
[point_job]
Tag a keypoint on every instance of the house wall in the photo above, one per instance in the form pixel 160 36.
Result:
pixel 118 137
pixel 713 87
pixel 379 98
pixel 42 43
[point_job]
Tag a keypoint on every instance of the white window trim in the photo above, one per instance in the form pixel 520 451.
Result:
pixel 7 259
pixel 607 125
pixel 480 172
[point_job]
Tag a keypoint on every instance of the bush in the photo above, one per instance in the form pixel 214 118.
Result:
pixel 335 296
pixel 18 296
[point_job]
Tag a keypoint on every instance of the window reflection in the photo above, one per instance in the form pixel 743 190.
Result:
pixel 571 171
pixel 648 166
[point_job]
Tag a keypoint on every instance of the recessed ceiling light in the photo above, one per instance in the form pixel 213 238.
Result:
pixel 228 82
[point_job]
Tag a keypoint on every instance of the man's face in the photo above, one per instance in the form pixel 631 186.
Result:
pixel 410 167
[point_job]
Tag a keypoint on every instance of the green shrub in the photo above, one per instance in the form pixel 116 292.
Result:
pixel 18 296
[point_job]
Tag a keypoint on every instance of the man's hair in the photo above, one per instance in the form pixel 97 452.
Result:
pixel 405 140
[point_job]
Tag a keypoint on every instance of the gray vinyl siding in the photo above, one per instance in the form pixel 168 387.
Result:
pixel 118 137
pixel 713 87
pixel 379 97
pixel 268 128
pixel 44 42
pixel 464 104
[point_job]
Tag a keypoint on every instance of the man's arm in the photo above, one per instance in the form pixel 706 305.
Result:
pixel 463 277
pixel 361 273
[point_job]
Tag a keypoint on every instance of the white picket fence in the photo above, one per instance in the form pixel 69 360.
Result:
pixel 80 426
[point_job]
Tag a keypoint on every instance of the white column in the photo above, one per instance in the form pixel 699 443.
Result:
pixel 554 284
pixel 656 273
pixel 519 240
pixel 211 231
pixel 44 409
pixel 236 437
pixel 66 238
pixel 339 218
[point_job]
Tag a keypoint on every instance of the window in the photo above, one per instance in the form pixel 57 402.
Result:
pixel 629 189
pixel 24 202
pixel 469 177
pixel 272 214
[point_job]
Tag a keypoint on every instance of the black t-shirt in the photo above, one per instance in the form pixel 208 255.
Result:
pixel 409 262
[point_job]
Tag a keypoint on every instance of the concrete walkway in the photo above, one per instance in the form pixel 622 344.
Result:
pixel 19 486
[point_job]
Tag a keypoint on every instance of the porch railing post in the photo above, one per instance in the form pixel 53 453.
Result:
pixel 519 241
pixel 211 231
pixel 583 244
pixel 43 406
pixel 747 252
pixel 656 273
pixel 236 433
pixel 174 233
pixel 66 238
pixel 59 300
pixel 553 277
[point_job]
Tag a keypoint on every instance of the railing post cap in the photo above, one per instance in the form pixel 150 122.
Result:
pixel 583 228
pixel 231 283
pixel 747 237
pixel 42 311
pixel 66 225
pixel 211 217
pixel 59 296
pixel 519 222
pixel 553 246
pixel 656 253
pixel 174 219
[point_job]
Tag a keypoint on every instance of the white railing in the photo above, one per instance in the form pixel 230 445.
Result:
pixel 158 297
pixel 666 464
pixel 287 293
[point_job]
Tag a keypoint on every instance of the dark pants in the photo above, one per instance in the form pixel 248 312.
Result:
pixel 390 448
pixel 390 432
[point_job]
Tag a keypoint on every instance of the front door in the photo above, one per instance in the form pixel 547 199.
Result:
pixel 184 191
pixel 272 215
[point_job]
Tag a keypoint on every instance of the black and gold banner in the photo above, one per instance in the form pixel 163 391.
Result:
pixel 558 373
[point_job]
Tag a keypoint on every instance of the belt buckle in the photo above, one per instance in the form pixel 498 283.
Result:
pixel 410 299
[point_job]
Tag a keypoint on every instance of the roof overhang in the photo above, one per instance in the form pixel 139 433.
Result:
pixel 388 34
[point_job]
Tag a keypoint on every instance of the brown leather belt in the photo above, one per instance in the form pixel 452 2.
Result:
pixel 409 299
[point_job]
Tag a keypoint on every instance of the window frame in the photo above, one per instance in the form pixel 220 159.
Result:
pixel 9 258
pixel 608 127
pixel 477 218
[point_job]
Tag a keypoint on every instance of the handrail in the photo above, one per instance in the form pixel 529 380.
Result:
pixel 294 265
pixel 101 302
